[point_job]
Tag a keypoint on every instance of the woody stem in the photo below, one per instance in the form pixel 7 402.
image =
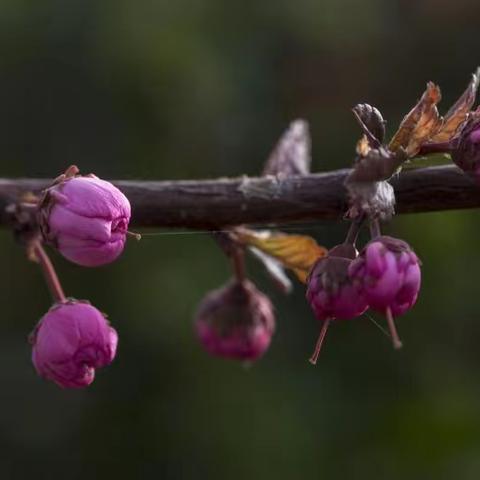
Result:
pixel 375 228
pixel 238 260
pixel 49 273
pixel 318 345
pixel 397 343
pixel 354 230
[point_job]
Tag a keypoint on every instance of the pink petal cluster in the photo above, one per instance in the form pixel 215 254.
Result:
pixel 330 291
pixel 70 342
pixel 387 273
pixel 86 219
pixel 236 321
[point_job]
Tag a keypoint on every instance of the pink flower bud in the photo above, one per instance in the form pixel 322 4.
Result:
pixel 70 342
pixel 236 321
pixel 387 272
pixel 86 219
pixel 330 291
pixel 465 149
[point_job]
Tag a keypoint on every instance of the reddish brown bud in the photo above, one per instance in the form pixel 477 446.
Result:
pixel 236 321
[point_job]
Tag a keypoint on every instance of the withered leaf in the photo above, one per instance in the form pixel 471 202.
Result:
pixel 296 252
pixel 371 122
pixel 274 269
pixel 292 154
pixel 420 123
pixel 458 113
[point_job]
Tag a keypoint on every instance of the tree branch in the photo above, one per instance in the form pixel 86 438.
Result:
pixel 210 204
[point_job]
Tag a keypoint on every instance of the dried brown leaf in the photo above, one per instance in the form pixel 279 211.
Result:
pixel 291 155
pixel 297 252
pixel 420 123
pixel 371 122
pixel 459 111
pixel 274 269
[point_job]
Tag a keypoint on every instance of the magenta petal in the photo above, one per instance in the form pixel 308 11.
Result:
pixel 399 283
pixel 71 340
pixel 336 296
pixel 475 136
pixel 375 259
pixel 382 291
pixel 90 253
pixel 87 220
pixel 64 222
pixel 92 197
pixel 236 322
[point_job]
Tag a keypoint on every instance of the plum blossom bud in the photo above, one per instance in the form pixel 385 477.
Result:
pixel 86 219
pixel 331 293
pixel 465 149
pixel 70 342
pixel 388 273
pixel 236 321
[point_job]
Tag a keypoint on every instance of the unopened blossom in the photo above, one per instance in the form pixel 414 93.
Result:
pixel 86 219
pixel 70 342
pixel 236 321
pixel 465 148
pixel 331 293
pixel 388 273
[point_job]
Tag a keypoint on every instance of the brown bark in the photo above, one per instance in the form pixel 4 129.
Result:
pixel 205 204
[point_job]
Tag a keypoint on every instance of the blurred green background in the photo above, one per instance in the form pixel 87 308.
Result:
pixel 203 88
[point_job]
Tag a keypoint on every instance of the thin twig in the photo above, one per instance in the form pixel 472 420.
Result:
pixel 49 273
pixel 354 230
pixel 397 343
pixel 321 337
pixel 375 230
pixel 238 261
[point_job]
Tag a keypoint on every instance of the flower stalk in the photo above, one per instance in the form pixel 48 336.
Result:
pixel 49 273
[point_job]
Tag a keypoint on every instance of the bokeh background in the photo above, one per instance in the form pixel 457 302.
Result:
pixel 203 88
